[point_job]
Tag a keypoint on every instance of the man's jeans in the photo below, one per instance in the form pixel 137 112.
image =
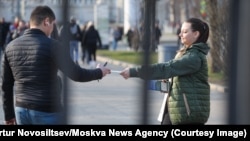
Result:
pixel 115 42
pixel 26 116
pixel 74 50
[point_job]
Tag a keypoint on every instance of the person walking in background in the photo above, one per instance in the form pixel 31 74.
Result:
pixel 158 35
pixel 31 63
pixel 83 45
pixel 75 37
pixel 188 99
pixel 116 34
pixel 129 36
pixel 92 40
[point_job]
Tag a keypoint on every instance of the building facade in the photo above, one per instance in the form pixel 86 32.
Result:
pixel 82 10
pixel 122 12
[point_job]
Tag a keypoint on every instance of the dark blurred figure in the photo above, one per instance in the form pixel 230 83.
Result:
pixel 83 45
pixel 55 33
pixel 157 35
pixel 120 28
pixel 4 27
pixel 129 36
pixel 92 40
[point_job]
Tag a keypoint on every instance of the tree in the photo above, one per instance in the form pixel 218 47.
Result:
pixel 217 14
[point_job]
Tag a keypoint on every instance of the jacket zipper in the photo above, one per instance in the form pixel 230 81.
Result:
pixel 186 104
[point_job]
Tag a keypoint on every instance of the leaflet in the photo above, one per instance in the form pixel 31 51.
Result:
pixel 115 71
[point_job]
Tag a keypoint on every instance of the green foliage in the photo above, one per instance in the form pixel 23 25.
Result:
pixel 218 78
pixel 127 56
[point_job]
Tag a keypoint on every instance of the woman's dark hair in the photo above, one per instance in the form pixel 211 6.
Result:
pixel 40 13
pixel 202 27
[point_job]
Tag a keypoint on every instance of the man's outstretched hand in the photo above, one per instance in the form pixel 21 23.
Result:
pixel 105 70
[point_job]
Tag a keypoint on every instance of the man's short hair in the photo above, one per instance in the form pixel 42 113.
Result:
pixel 40 13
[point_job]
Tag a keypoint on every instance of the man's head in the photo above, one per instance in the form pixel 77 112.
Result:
pixel 73 20
pixel 43 18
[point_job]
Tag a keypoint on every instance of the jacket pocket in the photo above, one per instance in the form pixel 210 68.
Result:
pixel 186 104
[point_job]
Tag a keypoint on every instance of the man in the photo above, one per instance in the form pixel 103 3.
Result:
pixel 73 31
pixel 74 39
pixel 31 62
pixel 116 36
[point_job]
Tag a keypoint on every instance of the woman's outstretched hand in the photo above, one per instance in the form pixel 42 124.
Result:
pixel 125 73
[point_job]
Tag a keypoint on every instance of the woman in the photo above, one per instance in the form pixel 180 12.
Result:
pixel 189 95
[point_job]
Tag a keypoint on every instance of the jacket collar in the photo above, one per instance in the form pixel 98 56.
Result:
pixel 202 47
pixel 34 31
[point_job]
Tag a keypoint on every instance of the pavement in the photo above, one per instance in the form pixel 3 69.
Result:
pixel 116 101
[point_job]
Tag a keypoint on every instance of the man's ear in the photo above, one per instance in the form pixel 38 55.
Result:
pixel 46 21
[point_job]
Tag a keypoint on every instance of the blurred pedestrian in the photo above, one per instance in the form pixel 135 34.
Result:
pixel 158 35
pixel 31 63
pixel 129 36
pixel 83 45
pixel 116 34
pixel 188 100
pixel 75 38
pixel 92 40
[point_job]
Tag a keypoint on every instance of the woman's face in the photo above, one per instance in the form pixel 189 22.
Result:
pixel 188 37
